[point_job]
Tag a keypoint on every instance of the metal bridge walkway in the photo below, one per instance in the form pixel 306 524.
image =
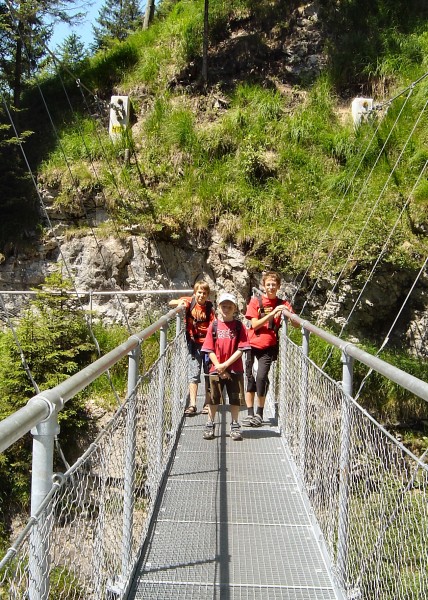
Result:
pixel 231 523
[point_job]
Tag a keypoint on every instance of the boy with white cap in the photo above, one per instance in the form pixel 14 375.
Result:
pixel 225 342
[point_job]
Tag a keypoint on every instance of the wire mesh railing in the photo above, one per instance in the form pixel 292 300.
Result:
pixel 94 520
pixel 368 493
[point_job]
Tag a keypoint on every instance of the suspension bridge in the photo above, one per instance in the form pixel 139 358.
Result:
pixel 321 502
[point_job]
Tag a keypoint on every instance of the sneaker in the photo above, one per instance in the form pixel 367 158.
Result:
pixel 248 421
pixel 209 431
pixel 256 421
pixel 235 432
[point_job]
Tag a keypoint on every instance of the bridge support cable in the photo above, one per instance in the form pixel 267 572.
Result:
pixel 18 345
pixel 409 382
pixel 69 274
pixel 120 192
pixel 375 265
pixel 67 163
pixel 349 215
pixel 81 88
pixel 391 329
pixel 375 205
pixel 324 237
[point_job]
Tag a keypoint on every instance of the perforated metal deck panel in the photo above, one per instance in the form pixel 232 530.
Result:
pixel 231 523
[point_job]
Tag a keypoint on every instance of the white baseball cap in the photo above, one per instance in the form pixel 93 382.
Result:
pixel 226 296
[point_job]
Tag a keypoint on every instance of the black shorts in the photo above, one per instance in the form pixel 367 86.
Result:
pixel 265 357
pixel 233 386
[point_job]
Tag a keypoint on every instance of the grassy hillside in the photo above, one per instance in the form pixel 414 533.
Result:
pixel 274 164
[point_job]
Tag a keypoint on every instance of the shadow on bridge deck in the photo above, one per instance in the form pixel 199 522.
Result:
pixel 231 523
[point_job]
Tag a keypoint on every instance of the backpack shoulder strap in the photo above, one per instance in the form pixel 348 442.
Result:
pixel 261 307
pixel 214 329
pixel 208 310
pixel 191 306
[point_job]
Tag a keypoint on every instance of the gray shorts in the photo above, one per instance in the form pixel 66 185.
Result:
pixel 196 362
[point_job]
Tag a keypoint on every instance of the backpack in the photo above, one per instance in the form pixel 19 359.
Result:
pixel 272 324
pixel 192 329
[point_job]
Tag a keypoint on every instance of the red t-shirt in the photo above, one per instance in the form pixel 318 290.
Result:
pixel 264 336
pixel 197 323
pixel 225 344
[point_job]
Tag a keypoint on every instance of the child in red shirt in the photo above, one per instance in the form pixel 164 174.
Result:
pixel 199 314
pixel 265 314
pixel 225 342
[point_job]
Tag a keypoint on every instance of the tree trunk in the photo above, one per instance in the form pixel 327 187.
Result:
pixel 148 15
pixel 17 74
pixel 205 45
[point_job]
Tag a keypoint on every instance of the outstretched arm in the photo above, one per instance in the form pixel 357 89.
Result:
pixel 177 302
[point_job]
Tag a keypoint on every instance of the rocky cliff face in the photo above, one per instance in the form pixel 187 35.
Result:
pixel 131 263
pixel 151 268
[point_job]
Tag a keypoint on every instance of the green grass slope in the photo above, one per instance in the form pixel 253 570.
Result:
pixel 275 165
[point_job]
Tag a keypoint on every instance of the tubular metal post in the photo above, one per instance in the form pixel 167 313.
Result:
pixel 163 339
pixel 41 482
pixel 282 381
pixel 90 308
pixel 305 341
pixel 178 320
pixel 304 399
pixel 162 348
pixel 129 475
pixel 343 518
pixel 177 361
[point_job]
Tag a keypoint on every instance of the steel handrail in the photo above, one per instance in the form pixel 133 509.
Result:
pixel 42 406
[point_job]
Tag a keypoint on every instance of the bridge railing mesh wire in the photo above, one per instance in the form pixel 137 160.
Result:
pixel 91 547
pixel 367 491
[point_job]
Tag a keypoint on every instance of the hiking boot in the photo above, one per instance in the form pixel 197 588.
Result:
pixel 235 432
pixel 209 431
pixel 256 421
pixel 248 421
